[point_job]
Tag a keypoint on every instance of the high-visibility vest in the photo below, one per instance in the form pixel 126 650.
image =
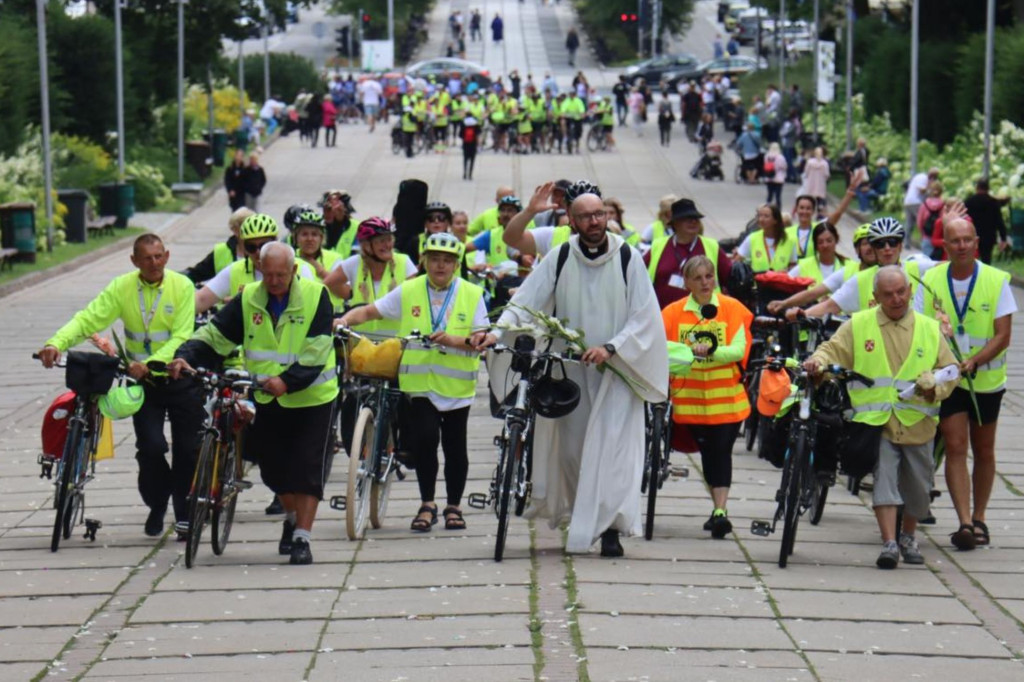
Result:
pixel 363 293
pixel 450 373
pixel 712 393
pixel 866 284
pixel 497 253
pixel 458 108
pixel 560 236
pixel 573 108
pixel 979 323
pixel 607 114
pixel 710 250
pixel 779 261
pixel 223 256
pixel 270 349
pixel 440 114
pixel 536 109
pixel 346 239
pixel 327 258
pixel 477 110
pixel 810 267
pixel 408 122
pixel 793 232
pixel 658 231
pixel 876 404
pixel 243 272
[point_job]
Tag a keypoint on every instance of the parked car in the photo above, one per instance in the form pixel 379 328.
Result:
pixel 736 8
pixel 732 66
pixel 657 68
pixel 746 25
pixel 443 68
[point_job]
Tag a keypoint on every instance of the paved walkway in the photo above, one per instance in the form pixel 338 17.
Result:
pixel 435 606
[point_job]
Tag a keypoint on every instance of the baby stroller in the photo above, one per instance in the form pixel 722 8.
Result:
pixel 709 166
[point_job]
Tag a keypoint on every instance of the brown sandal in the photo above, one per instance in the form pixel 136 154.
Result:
pixel 421 525
pixel 453 519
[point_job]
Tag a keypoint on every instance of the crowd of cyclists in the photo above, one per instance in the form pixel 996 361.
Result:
pixel 266 296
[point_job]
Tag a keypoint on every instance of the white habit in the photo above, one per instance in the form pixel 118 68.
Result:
pixel 588 466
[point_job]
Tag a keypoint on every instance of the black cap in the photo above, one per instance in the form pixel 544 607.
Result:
pixel 685 208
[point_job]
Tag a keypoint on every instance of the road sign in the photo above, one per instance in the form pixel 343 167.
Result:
pixel 319 29
pixel 826 85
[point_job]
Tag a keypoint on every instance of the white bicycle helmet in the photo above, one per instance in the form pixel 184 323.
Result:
pixel 579 188
pixel 885 227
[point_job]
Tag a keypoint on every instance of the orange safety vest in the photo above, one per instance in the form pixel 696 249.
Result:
pixel 712 393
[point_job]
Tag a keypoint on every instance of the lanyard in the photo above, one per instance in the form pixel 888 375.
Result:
pixel 802 245
pixel 961 313
pixel 147 318
pixel 681 261
pixel 438 321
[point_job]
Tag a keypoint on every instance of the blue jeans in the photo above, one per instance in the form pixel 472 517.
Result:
pixel 790 154
pixel 865 197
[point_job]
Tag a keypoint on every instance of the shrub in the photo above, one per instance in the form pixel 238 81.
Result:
pixel 289 73
pixel 150 186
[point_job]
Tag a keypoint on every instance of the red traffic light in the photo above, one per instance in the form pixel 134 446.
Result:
pixel 632 17
pixel 366 18
pixel 623 17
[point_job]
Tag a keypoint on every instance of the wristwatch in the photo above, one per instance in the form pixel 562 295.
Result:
pixel 610 348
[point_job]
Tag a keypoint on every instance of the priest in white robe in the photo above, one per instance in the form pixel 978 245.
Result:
pixel 588 466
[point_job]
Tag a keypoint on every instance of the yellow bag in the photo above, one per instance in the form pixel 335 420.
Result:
pixel 376 360
pixel 105 445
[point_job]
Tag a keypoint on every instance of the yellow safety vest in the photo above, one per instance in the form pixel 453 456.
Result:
pixel 874 405
pixel 327 259
pixel 270 348
pixel 810 267
pixel 979 323
pixel 363 293
pixel 497 253
pixel 779 261
pixel 658 231
pixel 793 232
pixel 450 373
pixel 223 256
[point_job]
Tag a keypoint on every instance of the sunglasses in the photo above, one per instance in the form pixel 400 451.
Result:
pixel 437 218
pixel 891 242
pixel 253 247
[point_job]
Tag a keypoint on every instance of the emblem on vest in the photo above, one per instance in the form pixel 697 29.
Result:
pixel 869 345
pixel 985 307
pixel 257 318
pixel 920 352
pixel 758 254
pixel 169 309
pixel 415 311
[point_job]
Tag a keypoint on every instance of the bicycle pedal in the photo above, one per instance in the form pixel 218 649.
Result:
pixel 477 500
pixel 679 471
pixel 91 526
pixel 338 503
pixel 47 466
pixel 762 528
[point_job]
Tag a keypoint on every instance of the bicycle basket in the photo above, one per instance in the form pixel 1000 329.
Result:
pixel 90 373
pixel 375 360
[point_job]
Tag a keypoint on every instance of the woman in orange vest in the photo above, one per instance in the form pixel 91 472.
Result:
pixel 710 400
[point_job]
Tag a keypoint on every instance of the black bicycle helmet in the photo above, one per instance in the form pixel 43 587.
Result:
pixel 741 280
pixel 554 398
pixel 293 213
pixel 579 188
pixel 438 207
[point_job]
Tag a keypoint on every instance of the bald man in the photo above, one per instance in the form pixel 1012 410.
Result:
pixel 488 219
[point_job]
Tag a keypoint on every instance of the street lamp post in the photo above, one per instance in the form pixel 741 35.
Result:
pixel 266 60
pixel 241 78
pixel 44 105
pixel 849 75
pixel 990 41
pixel 915 36
pixel 391 22
pixel 782 46
pixel 817 28
pixel 181 90
pixel 119 59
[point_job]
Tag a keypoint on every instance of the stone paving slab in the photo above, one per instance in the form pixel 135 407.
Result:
pixel 403 602
pixel 851 579
pixel 43 582
pixel 19 671
pixel 860 606
pixel 423 632
pixel 183 639
pixel 439 573
pixel 233 605
pixel 251 667
pixel 507 663
pixel 670 665
pixel 25 643
pixel 660 599
pixel 682 632
pixel 861 668
pixel 895 638
pixel 660 572
pixel 54 610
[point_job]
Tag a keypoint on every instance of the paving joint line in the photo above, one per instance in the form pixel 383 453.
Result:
pixel 329 618
pixel 563 659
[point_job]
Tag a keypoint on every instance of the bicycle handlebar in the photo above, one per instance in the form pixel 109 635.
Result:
pixel 565 356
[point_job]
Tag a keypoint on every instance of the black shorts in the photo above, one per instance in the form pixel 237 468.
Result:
pixel 960 401
pixel 290 444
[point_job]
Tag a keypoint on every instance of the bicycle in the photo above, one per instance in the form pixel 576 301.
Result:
pixel 219 474
pixel 373 463
pixel 510 487
pixel 803 488
pixel 657 467
pixel 89 375
pixel 597 138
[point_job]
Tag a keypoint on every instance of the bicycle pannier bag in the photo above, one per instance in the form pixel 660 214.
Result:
pixel 858 448
pixel 55 425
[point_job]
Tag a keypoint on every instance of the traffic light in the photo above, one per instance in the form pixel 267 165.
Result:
pixel 342 34
pixel 366 22
pixel 628 18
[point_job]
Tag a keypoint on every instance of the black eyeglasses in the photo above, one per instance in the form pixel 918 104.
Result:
pixel 253 247
pixel 891 242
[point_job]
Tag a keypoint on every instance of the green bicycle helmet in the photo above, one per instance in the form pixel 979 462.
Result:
pixel 310 218
pixel 862 232
pixel 443 242
pixel 259 226
pixel 121 402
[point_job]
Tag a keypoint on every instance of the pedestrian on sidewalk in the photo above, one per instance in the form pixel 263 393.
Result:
pixel 315 118
pixel 621 92
pixel 987 213
pixel 637 111
pixel 718 47
pixel 474 26
pixel 234 180
pixel 254 179
pixel 775 168
pixel 470 134
pixel 330 115
pixel 572 43
pixel 497 28
pixel 665 119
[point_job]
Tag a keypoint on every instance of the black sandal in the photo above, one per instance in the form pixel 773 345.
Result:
pixel 453 519
pixel 980 532
pixel 421 525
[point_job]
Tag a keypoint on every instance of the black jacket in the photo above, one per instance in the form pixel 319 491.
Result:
pixel 254 180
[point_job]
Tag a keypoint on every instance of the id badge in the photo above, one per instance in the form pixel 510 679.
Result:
pixel 676 281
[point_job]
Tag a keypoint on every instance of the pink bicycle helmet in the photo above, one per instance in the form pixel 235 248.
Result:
pixel 373 227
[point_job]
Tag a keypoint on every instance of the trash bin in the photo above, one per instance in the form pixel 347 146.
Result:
pixel 198 156
pixel 76 201
pixel 18 229
pixel 219 144
pixel 118 200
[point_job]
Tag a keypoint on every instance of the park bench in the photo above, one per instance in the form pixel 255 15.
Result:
pixel 103 225
pixel 7 258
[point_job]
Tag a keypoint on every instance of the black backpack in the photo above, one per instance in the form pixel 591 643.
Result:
pixel 929 223
pixel 625 253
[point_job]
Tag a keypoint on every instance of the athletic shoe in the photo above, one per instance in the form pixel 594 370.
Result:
pixel 909 550
pixel 301 554
pixel 720 524
pixel 710 522
pixel 181 528
pixel 284 547
pixel 890 556
pixel 155 522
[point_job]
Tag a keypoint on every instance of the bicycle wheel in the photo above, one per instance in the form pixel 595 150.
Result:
pixel 380 489
pixel 593 140
pixel 227 498
pixel 65 494
pixel 653 471
pixel 753 419
pixel 818 501
pixel 510 455
pixel 791 517
pixel 360 465
pixel 199 497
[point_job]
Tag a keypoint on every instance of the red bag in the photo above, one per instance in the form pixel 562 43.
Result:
pixel 469 135
pixel 781 281
pixel 55 425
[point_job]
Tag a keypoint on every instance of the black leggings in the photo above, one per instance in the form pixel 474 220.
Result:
pixel 423 428
pixel 468 159
pixel 715 442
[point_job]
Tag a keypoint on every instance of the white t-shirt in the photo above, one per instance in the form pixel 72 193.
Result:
pixel 350 266
pixel 836 279
pixel 371 92
pixel 916 190
pixel 390 307
pixel 826 271
pixel 221 282
pixel 848 295
pixel 1005 306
